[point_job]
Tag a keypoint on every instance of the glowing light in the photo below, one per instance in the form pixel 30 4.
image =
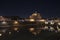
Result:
pixel 46 22
pixel 42 20
pixel 52 23
pixel 56 20
pixel 31 29
pixel 45 27
pixel 15 29
pixel 34 14
pixel 58 28
pixel 34 33
pixel 0 34
pixel 58 23
pixel 4 22
pixel 9 32
pixel 32 20
pixel 15 22
pixel 51 28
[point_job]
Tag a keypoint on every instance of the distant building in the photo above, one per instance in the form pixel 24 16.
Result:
pixel 35 16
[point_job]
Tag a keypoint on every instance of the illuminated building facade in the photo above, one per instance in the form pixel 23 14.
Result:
pixel 34 23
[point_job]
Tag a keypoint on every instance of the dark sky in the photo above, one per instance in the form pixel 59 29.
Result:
pixel 24 8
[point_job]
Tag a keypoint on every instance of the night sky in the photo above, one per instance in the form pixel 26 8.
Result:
pixel 24 8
